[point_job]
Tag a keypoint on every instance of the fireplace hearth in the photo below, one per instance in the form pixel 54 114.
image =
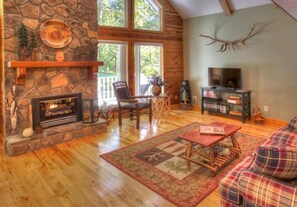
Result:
pixel 51 111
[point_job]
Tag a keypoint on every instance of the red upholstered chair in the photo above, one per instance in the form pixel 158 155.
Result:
pixel 131 106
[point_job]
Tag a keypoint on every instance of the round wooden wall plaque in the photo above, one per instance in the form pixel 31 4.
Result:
pixel 55 33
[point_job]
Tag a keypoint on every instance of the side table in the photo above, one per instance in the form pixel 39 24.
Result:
pixel 161 107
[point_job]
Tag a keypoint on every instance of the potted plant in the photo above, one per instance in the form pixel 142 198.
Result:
pixel 157 83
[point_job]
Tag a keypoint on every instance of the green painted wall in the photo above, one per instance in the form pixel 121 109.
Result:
pixel 269 62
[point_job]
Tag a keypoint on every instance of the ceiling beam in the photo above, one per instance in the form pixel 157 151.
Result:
pixel 226 7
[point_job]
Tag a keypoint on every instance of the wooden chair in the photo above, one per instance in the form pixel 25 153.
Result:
pixel 131 106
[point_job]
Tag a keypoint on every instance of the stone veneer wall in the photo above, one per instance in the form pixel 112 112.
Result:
pixel 81 16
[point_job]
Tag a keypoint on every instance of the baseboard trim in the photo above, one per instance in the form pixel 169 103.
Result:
pixel 275 121
pixel 267 119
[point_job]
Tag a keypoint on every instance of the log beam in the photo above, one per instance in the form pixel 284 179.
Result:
pixel 226 7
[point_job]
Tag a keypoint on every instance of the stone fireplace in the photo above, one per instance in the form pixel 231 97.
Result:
pixel 49 111
pixel 81 17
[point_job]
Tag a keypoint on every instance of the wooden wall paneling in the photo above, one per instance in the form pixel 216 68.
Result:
pixel 171 37
pixel 2 105
pixel 131 67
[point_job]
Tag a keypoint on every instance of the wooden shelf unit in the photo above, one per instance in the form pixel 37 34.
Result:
pixel 21 67
pixel 220 101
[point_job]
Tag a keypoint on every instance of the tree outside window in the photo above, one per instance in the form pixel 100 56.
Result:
pixel 112 13
pixel 147 15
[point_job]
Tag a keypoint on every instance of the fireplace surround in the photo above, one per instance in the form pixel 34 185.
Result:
pixel 49 111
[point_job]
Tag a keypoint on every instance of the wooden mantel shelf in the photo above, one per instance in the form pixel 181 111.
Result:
pixel 21 67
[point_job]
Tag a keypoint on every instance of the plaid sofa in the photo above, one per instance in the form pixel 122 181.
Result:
pixel 267 178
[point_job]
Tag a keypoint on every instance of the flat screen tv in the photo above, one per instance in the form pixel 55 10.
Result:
pixel 224 77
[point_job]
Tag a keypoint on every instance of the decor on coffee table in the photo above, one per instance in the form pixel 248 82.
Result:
pixel 157 163
pixel 213 159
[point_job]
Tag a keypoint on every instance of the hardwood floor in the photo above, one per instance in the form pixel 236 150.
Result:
pixel 73 174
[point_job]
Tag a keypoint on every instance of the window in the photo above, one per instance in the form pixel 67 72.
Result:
pixel 114 56
pixel 148 62
pixel 147 15
pixel 112 13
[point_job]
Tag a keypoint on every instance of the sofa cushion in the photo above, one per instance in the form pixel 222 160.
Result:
pixel 281 138
pixel 293 124
pixel 275 161
pixel 261 190
pixel 228 186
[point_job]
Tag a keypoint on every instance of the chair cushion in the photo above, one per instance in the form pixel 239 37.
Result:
pixel 141 105
pixel 293 124
pixel 276 161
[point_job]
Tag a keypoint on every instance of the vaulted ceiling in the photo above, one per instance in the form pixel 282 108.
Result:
pixel 194 8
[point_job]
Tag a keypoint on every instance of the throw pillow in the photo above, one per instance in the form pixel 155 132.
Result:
pixel 278 162
pixel 293 124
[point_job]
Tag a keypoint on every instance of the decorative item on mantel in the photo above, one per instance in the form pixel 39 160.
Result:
pixel 59 55
pixel 157 83
pixel 23 41
pixel 26 46
pixel 90 110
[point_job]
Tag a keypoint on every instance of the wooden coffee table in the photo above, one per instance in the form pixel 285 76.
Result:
pixel 209 160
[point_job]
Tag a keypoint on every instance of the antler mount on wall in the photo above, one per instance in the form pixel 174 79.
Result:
pixel 230 44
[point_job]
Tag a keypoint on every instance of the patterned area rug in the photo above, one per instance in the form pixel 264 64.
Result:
pixel 158 164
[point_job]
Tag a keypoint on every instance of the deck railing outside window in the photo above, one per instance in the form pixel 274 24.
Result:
pixel 105 89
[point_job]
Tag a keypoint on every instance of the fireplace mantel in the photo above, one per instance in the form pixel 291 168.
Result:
pixel 21 67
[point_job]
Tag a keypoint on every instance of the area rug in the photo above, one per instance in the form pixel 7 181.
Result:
pixel 157 163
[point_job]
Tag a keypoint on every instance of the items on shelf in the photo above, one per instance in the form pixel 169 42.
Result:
pixel 226 102
pixel 234 100
pixel 237 113
pixel 224 109
pixel 210 94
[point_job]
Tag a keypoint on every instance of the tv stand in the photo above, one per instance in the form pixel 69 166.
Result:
pixel 229 102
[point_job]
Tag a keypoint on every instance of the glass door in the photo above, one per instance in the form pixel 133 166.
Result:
pixel 148 62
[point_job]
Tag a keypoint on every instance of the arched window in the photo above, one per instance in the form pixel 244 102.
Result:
pixel 112 13
pixel 147 15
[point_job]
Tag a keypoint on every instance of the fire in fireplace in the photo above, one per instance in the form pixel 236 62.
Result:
pixel 56 110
